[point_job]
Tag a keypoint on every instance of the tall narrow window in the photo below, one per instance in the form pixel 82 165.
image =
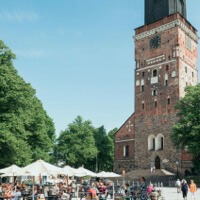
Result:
pixel 166 79
pixel 162 143
pixel 126 151
pixel 154 144
pixel 143 74
pixel 142 88
pixel 192 74
pixel 156 104
pixel 155 73
pixel 168 101
pixel 142 106
pixel 154 92
pixel 167 67
pixel 185 69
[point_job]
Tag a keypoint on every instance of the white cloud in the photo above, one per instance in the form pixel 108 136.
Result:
pixel 18 16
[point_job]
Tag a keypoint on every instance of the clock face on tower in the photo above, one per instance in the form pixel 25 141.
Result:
pixel 155 42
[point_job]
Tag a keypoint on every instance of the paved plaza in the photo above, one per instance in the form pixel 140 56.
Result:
pixel 171 194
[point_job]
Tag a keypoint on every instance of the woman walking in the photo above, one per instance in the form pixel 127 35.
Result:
pixel 184 188
pixel 143 189
pixel 193 189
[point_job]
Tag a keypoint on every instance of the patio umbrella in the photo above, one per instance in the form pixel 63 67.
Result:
pixel 9 171
pixel 38 168
pixel 69 171
pixel 113 175
pixel 107 175
pixel 81 172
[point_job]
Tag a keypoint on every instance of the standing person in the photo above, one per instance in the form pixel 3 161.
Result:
pixel 143 189
pixel 178 185
pixel 193 189
pixel 184 188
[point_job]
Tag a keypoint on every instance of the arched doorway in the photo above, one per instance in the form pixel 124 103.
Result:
pixel 157 163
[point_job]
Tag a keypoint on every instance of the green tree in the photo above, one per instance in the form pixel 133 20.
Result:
pixel 76 145
pixel 186 132
pixel 112 133
pixel 105 145
pixel 26 131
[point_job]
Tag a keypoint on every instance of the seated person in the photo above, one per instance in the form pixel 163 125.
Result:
pixel 8 192
pixel 103 190
pixel 23 186
pixel 92 193
pixel 17 194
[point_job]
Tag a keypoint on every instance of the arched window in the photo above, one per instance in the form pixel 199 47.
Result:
pixel 160 142
pixel 151 143
pixel 155 73
pixel 157 163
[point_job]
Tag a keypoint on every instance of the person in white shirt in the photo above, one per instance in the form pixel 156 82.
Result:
pixel 178 185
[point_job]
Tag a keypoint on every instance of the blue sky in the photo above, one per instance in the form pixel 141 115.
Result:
pixel 78 54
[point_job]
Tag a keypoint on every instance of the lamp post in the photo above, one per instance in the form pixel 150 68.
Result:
pixel 177 172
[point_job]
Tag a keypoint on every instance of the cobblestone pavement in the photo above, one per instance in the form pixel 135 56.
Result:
pixel 171 194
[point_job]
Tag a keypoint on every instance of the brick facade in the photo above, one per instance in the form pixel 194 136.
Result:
pixel 161 75
pixel 125 137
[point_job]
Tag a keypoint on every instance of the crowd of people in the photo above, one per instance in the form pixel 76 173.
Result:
pixel 101 189
pixel 184 187
pixel 9 191
pixel 90 190
pixel 60 191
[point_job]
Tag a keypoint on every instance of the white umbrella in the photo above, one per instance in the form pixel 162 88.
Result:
pixel 39 168
pixel 69 171
pixel 107 175
pixel 10 171
pixel 102 174
pixel 113 175
pixel 81 172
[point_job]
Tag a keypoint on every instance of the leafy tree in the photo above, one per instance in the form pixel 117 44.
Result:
pixel 105 145
pixel 186 132
pixel 76 145
pixel 26 131
pixel 112 133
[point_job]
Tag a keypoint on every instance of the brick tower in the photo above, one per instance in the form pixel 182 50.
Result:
pixel 166 57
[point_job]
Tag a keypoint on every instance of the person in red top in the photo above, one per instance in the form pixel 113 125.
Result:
pixel 92 193
pixel 102 190
pixel 193 189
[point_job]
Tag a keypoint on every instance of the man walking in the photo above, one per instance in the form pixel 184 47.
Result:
pixel 178 185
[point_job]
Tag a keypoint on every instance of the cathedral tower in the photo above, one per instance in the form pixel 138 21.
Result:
pixel 158 9
pixel 166 62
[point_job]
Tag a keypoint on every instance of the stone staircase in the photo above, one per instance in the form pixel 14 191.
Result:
pixel 157 177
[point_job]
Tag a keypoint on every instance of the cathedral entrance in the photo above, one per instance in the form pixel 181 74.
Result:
pixel 157 163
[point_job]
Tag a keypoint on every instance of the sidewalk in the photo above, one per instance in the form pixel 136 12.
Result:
pixel 171 194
